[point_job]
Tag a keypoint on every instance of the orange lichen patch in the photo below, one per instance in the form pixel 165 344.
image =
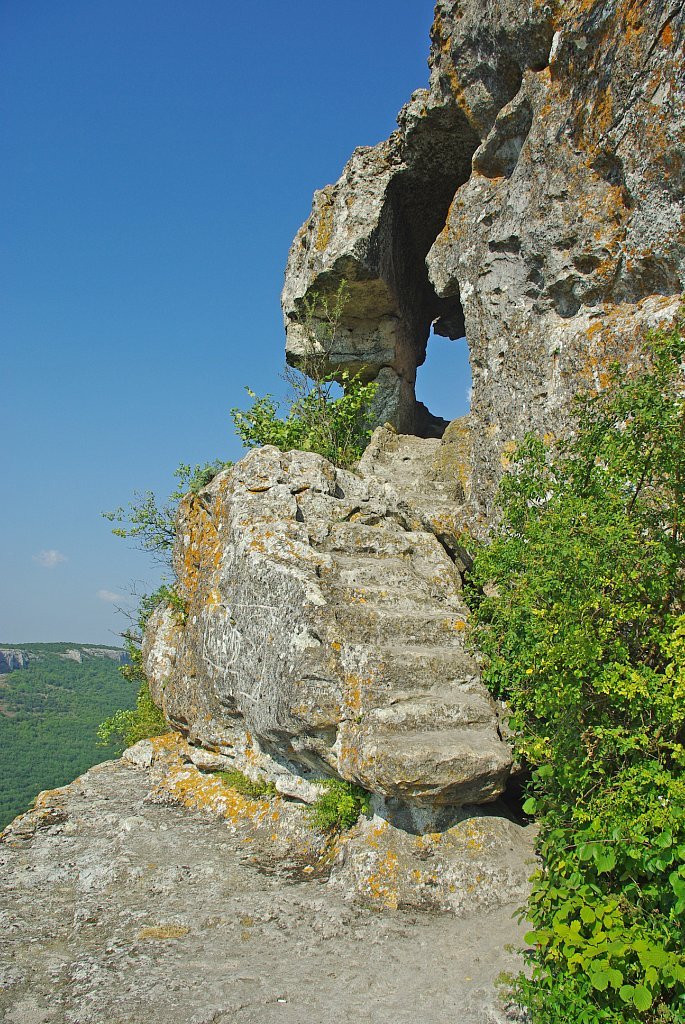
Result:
pixel 428 841
pixel 475 841
pixel 617 335
pixel 48 797
pixel 201 553
pixel 160 932
pixel 382 884
pixel 666 37
pixel 324 228
pixel 187 786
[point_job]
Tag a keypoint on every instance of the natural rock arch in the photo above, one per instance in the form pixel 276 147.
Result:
pixel 531 199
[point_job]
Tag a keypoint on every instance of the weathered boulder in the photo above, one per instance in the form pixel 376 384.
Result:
pixel 324 629
pixel 547 160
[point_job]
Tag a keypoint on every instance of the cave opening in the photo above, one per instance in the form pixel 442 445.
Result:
pixel 443 381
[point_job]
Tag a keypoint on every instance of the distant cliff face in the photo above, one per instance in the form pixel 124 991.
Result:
pixel 531 199
pixel 12 658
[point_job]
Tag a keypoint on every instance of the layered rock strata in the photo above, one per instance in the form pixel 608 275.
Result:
pixel 324 635
pixel 531 199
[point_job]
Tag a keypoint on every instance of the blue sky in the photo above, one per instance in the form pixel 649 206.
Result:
pixel 157 158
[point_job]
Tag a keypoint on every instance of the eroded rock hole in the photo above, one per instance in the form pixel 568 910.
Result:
pixel 443 382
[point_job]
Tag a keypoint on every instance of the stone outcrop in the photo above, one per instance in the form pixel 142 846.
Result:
pixel 12 658
pixel 531 199
pixel 325 635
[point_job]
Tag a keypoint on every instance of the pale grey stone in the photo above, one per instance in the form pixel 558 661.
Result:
pixel 324 635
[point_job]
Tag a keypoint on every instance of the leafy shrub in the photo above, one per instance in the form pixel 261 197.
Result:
pixel 246 786
pixel 578 604
pixel 125 728
pixel 339 806
pixel 315 420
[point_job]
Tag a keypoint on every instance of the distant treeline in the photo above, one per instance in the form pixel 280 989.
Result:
pixel 49 713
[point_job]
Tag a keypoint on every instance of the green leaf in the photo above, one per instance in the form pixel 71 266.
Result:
pixel 642 998
pixel 654 957
pixel 615 977
pixel 605 860
pixel 530 805
pixel 626 993
pixel 599 980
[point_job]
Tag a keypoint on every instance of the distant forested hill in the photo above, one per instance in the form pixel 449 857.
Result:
pixel 49 712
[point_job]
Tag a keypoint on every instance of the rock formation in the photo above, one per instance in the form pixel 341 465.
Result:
pixel 325 629
pixel 12 658
pixel 531 199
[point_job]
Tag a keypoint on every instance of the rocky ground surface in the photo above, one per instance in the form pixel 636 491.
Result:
pixel 147 888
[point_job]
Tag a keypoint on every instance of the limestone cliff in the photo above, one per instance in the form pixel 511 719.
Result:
pixel 531 199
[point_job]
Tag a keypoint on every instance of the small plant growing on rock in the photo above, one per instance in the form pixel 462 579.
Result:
pixel 339 806
pixel 317 419
pixel 151 523
pixel 126 727
pixel 241 783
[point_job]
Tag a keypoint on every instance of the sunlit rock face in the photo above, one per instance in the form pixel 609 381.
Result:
pixel 531 198
pixel 325 635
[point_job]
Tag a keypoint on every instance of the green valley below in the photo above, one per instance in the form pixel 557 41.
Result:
pixel 49 713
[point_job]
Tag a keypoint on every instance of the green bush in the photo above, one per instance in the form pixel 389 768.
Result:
pixel 578 608
pixel 316 420
pixel 241 783
pixel 124 728
pixel 339 806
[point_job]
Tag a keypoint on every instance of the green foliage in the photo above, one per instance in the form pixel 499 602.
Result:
pixel 125 727
pixel 49 712
pixel 151 523
pixel 579 607
pixel 339 806
pixel 241 783
pixel 316 420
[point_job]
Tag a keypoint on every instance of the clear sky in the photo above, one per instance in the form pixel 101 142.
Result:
pixel 157 158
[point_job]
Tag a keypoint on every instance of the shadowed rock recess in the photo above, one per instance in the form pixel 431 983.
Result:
pixel 530 200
